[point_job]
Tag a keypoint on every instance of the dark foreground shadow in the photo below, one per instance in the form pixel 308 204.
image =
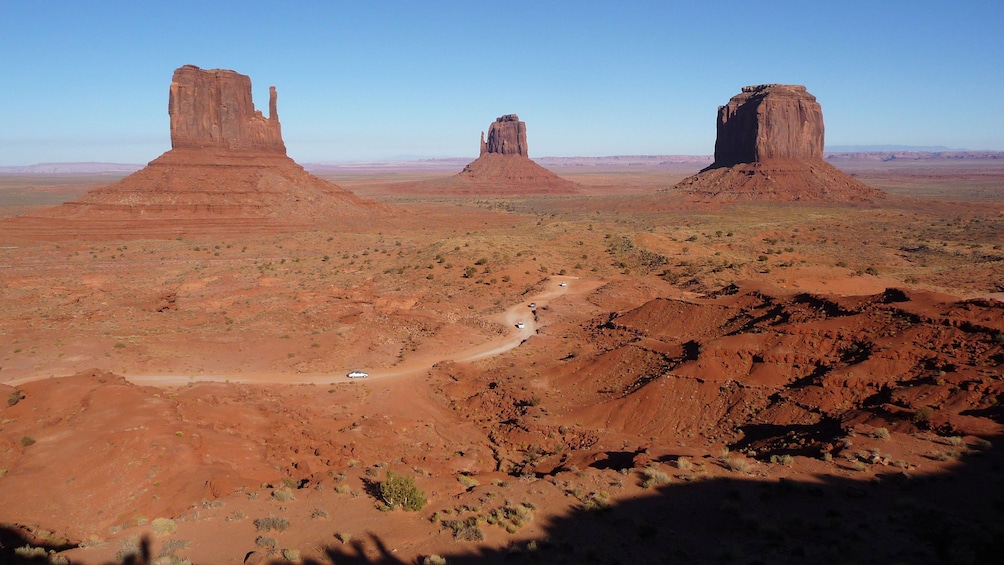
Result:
pixel 897 517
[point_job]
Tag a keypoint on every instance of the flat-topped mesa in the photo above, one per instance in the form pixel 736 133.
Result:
pixel 768 122
pixel 506 136
pixel 212 109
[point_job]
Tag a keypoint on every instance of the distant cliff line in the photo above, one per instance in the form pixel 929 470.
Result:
pixel 451 162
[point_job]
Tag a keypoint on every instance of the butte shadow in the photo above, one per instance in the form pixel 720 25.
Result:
pixel 503 168
pixel 770 147
pixel 227 171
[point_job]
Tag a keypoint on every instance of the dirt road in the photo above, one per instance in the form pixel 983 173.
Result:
pixel 520 312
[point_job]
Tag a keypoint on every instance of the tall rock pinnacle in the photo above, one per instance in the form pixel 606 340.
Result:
pixel 506 136
pixel 213 109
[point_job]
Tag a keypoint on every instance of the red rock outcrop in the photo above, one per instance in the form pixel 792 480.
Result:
pixel 770 147
pixel 507 136
pixel 503 167
pixel 213 108
pixel 227 170
pixel 769 121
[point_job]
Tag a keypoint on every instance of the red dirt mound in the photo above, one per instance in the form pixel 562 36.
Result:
pixel 778 180
pixel 770 147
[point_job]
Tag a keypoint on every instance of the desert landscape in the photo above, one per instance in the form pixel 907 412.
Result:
pixel 772 354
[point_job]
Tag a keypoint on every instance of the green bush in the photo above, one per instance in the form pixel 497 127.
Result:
pixel 398 490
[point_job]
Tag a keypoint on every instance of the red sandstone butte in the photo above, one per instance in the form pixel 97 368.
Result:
pixel 770 147
pixel 227 170
pixel 506 136
pixel 213 108
pixel 504 165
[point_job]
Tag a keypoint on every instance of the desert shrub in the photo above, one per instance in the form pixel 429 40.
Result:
pixel 172 545
pixel 343 537
pixel 27 441
pixel 782 459
pixel 653 477
pixel 265 541
pixel 733 462
pixel 433 560
pixel 129 548
pixel 235 516
pixel 922 415
pixel 881 433
pixel 318 513
pixel 164 526
pixel 291 554
pixel 15 397
pixel 270 523
pixel 398 490
pixel 283 494
pixel 465 530
pixel 683 464
pixel 467 481
pixel 29 552
pixel 983 444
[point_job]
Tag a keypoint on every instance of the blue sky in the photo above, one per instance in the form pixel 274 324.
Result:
pixel 88 81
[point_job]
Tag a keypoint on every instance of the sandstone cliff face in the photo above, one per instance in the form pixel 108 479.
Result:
pixel 227 172
pixel 770 147
pixel 506 136
pixel 769 121
pixel 213 109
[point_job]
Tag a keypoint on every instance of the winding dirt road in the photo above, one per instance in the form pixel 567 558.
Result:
pixel 520 312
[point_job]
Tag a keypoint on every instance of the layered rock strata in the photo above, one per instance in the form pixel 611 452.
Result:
pixel 213 109
pixel 770 147
pixel 227 170
pixel 504 165
pixel 506 136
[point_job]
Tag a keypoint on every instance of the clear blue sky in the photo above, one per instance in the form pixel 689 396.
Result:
pixel 88 80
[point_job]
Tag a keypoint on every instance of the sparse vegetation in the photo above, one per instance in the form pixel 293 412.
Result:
pixel 653 477
pixel 400 491
pixel 283 494
pixel 467 481
pixel 271 523
pixel 164 526
pixel 14 397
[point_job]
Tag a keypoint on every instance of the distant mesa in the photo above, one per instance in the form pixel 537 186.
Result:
pixel 505 167
pixel 770 147
pixel 227 169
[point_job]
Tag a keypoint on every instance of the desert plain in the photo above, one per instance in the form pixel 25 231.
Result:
pixel 702 381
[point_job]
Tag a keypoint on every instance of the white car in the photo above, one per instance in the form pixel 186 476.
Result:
pixel 533 305
pixel 357 375
pixel 562 284
pixel 520 325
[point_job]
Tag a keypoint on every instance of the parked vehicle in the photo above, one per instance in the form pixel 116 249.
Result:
pixel 562 283
pixel 520 325
pixel 533 305
pixel 357 375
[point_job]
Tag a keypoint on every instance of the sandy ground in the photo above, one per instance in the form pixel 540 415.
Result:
pixel 713 383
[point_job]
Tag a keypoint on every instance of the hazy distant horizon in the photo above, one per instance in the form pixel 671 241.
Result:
pixel 360 82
